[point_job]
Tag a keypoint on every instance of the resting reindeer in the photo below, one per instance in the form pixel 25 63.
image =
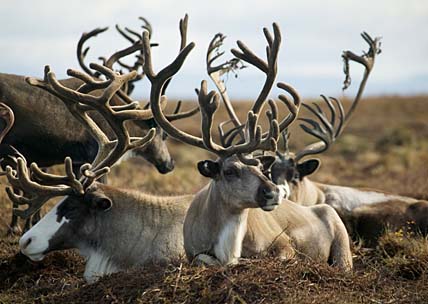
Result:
pixel 37 110
pixel 228 217
pixel 365 212
pixel 113 228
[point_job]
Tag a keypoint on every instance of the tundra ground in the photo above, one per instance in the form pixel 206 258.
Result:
pixel 384 147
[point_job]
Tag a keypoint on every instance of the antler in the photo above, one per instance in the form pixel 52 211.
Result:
pixel 81 54
pixel 325 130
pixel 117 56
pixel 37 194
pixel 269 67
pixel 368 60
pixel 293 107
pixel 38 186
pixel 208 104
pixel 7 115
pixel 216 72
pixel 183 43
pixel 80 103
pixel 137 45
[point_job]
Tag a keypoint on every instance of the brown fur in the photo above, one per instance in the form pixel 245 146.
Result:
pixel 367 221
pixel 370 222
pixel 45 131
pixel 138 229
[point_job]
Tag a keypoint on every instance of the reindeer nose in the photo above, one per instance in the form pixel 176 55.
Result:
pixel 166 167
pixel 24 243
pixel 268 194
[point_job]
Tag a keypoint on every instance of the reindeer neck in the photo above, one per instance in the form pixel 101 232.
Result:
pixel 230 226
pixel 307 192
pixel 97 265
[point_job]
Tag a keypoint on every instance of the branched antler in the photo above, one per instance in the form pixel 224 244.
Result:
pixel 81 53
pixel 38 186
pixel 208 104
pixel 7 115
pixel 216 72
pixel 37 194
pixel 325 129
pixel 268 66
pixel 367 60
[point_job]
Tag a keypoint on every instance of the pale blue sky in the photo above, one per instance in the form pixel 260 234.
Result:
pixel 35 33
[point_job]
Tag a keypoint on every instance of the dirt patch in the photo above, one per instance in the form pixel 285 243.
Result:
pixel 252 281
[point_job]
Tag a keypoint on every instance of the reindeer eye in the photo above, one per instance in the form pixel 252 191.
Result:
pixel 231 172
pixel 290 175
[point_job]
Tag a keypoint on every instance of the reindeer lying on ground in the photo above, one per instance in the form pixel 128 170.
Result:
pixel 37 110
pixel 365 212
pixel 228 218
pixel 113 228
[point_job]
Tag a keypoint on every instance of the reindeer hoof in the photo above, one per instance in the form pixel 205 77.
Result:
pixel 204 259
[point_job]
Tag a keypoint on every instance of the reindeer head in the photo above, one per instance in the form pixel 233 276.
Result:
pixel 269 67
pixel 237 176
pixel 85 202
pixel 73 220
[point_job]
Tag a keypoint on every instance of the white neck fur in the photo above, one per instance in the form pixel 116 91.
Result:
pixel 229 243
pixel 97 265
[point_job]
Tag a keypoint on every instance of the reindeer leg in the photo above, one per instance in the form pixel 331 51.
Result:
pixel 205 259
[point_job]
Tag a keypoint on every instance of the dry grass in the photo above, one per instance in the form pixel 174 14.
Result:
pixel 384 147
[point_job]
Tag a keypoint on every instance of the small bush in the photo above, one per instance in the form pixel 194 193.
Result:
pixel 404 255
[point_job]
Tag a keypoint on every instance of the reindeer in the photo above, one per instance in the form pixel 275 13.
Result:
pixel 230 217
pixel 365 212
pixel 37 110
pixel 113 228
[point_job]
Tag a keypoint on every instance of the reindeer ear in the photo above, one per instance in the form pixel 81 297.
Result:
pixel 308 167
pixel 103 203
pixel 267 161
pixel 209 168
pixel 98 200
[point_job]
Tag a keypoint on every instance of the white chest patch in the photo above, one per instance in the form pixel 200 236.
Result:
pixel 97 265
pixel 347 199
pixel 36 240
pixel 229 244
pixel 284 191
